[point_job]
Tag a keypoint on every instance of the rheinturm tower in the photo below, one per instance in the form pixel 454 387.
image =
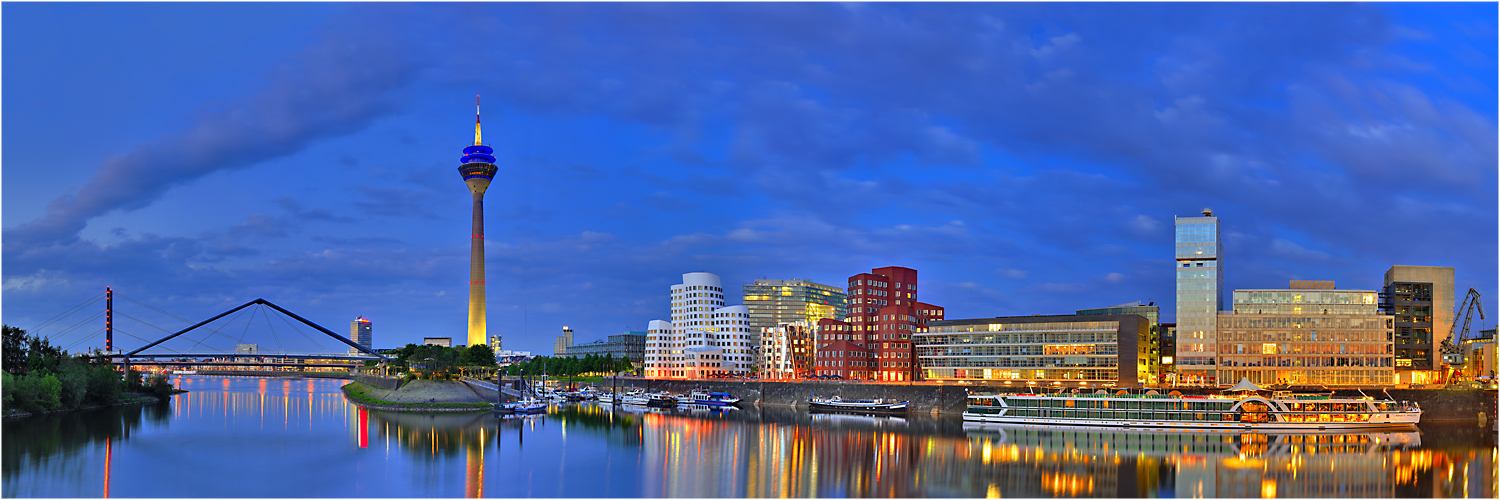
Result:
pixel 478 169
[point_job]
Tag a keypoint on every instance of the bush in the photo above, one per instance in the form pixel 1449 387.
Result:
pixel 133 382
pixel 49 392
pixel 104 385
pixel 160 387
pixel 74 380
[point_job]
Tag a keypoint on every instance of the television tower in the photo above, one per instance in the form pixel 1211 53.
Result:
pixel 478 169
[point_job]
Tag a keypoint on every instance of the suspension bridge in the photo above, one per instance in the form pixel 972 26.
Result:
pixel 245 337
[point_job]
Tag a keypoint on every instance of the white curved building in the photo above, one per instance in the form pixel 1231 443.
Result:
pixel 705 337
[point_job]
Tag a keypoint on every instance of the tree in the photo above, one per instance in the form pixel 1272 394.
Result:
pixel 479 355
pixel 15 349
pixel 73 375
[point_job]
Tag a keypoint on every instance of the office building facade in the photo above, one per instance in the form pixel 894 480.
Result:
pixel 561 344
pixel 1306 337
pixel 1148 345
pixel 777 302
pixel 1200 297
pixel 360 333
pixel 629 345
pixel 1422 300
pixel 843 353
pixel 1065 351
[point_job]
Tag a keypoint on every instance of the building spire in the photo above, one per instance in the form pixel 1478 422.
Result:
pixel 476 122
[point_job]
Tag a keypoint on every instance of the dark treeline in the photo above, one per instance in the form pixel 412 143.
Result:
pixel 438 362
pixel 41 377
pixel 565 366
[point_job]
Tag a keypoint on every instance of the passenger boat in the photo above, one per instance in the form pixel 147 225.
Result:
pixel 634 397
pixel 699 397
pixel 1248 410
pixel 184 372
pixel 857 405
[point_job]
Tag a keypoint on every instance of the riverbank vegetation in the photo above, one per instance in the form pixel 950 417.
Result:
pixel 361 394
pixel 39 377
pixel 434 362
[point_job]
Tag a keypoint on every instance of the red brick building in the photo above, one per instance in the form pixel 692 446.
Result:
pixel 839 354
pixel 883 313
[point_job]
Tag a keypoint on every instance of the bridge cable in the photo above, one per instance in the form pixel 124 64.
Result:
pixel 138 320
pixel 182 319
pixel 304 335
pixel 231 320
pixel 86 337
pixel 79 324
pixel 69 311
pixel 118 330
pixel 267 316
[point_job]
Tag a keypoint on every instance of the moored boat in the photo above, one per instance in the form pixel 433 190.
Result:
pixel 1248 410
pixel 528 405
pixel 857 405
pixel 661 400
pixel 605 397
pixel 700 397
pixel 634 397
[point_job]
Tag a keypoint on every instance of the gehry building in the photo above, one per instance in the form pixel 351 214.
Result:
pixel 704 338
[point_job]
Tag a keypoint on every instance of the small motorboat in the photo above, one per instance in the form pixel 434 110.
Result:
pixel 661 400
pixel 634 397
pixel 528 405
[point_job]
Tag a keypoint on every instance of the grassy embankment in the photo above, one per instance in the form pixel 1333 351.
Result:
pixel 360 393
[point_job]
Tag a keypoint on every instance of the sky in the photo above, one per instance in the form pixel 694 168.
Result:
pixel 1024 158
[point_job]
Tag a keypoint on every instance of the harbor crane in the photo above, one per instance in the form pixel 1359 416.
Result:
pixel 1452 347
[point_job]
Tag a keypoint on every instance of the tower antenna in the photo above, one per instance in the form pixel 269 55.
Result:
pixel 476 121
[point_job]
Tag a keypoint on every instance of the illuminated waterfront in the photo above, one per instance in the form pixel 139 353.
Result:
pixel 250 437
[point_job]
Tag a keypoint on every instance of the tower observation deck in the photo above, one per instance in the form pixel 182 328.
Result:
pixel 477 168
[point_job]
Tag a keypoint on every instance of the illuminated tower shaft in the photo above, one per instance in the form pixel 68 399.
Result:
pixel 478 169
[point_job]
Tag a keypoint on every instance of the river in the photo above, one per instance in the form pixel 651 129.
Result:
pixel 258 437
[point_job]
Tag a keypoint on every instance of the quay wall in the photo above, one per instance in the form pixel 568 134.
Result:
pixel 1438 405
pixel 387 383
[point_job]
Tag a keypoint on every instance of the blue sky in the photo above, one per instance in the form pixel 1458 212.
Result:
pixel 1024 158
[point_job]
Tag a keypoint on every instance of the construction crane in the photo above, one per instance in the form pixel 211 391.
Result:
pixel 1452 347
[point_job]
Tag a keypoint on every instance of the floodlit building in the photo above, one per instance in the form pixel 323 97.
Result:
pixel 840 354
pixel 705 338
pixel 359 332
pixel 496 343
pixel 1044 351
pixel 883 314
pixel 778 302
pixel 1308 335
pixel 1422 300
pixel 787 351
pixel 1200 297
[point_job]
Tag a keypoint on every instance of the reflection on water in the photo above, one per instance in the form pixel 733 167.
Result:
pixel 313 443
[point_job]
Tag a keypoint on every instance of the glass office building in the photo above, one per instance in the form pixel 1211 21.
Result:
pixel 1332 338
pixel 1200 297
pixel 779 302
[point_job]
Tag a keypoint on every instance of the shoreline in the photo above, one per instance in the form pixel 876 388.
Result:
pixel 139 398
pixel 359 394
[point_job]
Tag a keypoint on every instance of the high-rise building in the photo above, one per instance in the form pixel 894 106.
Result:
pixel 706 337
pixel 359 332
pixel 1200 297
pixel 883 313
pixel 1148 346
pixel 1308 335
pixel 777 302
pixel 495 343
pixel 1422 300
pixel 560 346
pixel 1168 373
pixel 477 168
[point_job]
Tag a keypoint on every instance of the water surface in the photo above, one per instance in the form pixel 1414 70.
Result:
pixel 254 437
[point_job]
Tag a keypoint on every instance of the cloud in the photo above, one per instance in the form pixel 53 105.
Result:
pixel 1114 278
pixel 331 88
pixel 1015 274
